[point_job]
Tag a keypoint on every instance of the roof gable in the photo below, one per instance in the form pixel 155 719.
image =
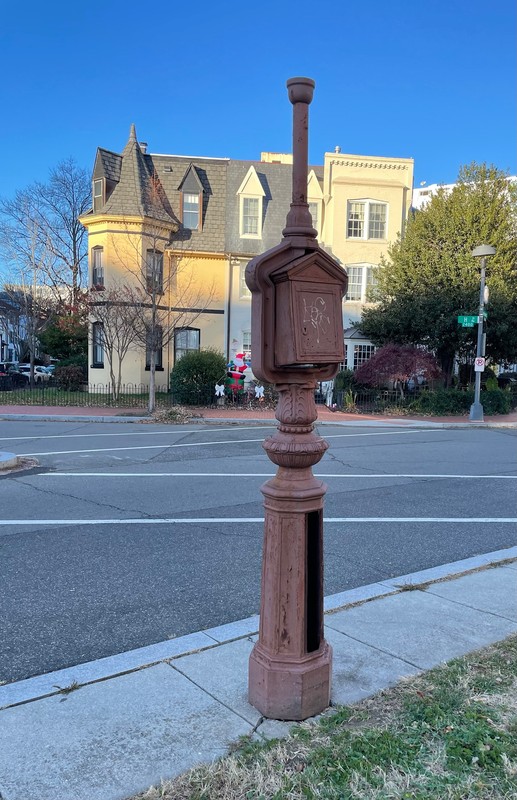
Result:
pixel 191 181
pixel 252 184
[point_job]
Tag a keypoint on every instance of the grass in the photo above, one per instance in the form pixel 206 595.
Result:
pixel 449 734
pixel 53 396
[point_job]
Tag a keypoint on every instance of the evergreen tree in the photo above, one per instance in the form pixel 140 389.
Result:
pixel 430 276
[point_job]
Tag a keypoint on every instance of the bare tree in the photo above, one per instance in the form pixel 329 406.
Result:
pixel 50 211
pixel 29 264
pixel 161 283
pixel 119 317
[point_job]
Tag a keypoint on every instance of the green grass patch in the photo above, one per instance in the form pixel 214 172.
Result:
pixel 449 734
pixel 54 396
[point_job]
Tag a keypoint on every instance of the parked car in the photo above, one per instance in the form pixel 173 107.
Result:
pixel 40 373
pixel 11 377
pixel 507 379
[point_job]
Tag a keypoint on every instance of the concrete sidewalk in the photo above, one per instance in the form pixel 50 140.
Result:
pixel 111 728
pixel 232 415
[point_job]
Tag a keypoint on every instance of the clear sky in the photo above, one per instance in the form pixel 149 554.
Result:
pixel 429 79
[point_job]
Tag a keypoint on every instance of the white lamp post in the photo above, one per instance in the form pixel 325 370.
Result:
pixel 476 409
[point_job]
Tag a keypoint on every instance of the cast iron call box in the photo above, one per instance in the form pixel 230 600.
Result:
pixel 297 310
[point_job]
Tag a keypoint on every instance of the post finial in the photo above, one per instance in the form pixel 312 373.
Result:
pixel 300 90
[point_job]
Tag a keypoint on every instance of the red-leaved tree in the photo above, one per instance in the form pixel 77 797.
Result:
pixel 398 363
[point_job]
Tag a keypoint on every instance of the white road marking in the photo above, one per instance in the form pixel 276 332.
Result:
pixel 257 475
pixel 241 520
pixel 228 441
pixel 134 433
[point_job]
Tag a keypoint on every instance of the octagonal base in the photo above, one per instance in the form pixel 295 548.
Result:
pixel 289 688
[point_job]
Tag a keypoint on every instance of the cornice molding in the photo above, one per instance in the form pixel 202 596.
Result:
pixel 348 162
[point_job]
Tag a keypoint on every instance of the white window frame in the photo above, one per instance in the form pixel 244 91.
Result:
pixel 242 233
pixel 367 273
pixel 366 351
pixel 246 344
pixel 179 352
pixel 367 204
pixel 318 204
pixel 244 291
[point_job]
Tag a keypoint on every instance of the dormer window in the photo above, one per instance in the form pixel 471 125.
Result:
pixel 98 194
pixel 251 194
pixel 191 200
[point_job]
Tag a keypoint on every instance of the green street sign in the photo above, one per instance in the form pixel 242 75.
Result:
pixel 468 321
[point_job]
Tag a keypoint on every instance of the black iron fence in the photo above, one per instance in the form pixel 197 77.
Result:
pixel 368 401
pixel 129 396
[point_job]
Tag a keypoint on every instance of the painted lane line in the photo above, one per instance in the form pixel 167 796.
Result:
pixel 142 447
pixel 134 433
pixel 209 444
pixel 259 475
pixel 244 520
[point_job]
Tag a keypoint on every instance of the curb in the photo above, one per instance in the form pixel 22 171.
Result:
pixel 40 686
pixel 72 418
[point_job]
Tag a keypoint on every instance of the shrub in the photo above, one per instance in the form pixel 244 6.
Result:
pixel 496 401
pixel 345 381
pixel 69 377
pixel 194 376
pixel 80 360
pixel 454 401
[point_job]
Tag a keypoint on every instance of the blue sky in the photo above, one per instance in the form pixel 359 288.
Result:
pixel 433 80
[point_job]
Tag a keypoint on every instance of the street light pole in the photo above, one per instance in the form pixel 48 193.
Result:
pixel 476 409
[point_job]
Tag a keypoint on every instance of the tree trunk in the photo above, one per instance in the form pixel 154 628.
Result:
pixel 446 360
pixel 152 382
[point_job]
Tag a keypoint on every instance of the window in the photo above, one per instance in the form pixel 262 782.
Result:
pixel 246 345
pixel 362 352
pixel 97 267
pixel 186 340
pixel 98 195
pixel 371 280
pixel 366 220
pixel 314 208
pixel 154 271
pixel 355 283
pixel 154 341
pixel 98 344
pixel 190 211
pixel 243 286
pixel 250 216
pixel 361 278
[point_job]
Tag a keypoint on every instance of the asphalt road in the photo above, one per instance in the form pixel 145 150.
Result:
pixel 126 535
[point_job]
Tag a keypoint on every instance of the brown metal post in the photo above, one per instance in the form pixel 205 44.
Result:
pixel 299 221
pixel 296 319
